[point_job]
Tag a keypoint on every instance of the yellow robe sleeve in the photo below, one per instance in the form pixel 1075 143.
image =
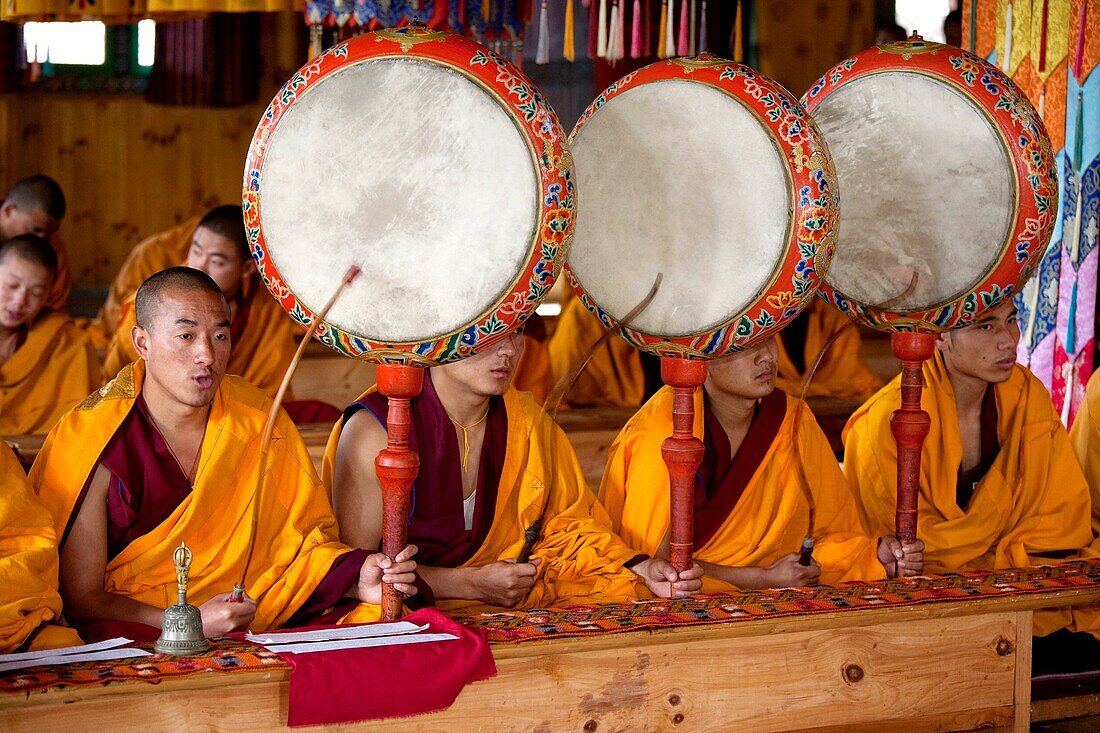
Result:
pixel 28 566
pixel 54 369
pixel 1085 437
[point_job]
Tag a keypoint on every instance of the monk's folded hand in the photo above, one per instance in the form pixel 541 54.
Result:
pixel 663 580
pixel 901 560
pixel 786 572
pixel 221 615
pixel 379 568
pixel 504 582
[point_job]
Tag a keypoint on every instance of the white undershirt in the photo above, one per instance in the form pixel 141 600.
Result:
pixel 468 510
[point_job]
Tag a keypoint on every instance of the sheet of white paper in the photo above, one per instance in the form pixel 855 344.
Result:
pixel 63 651
pixel 344 632
pixel 328 646
pixel 74 658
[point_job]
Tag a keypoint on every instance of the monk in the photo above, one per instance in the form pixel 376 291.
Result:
pixel 168 452
pixel 47 363
pixel 150 256
pixel 263 335
pixel 1085 436
pixel 842 374
pixel 36 205
pixel 492 465
pixel 999 485
pixel 28 567
pixel 616 375
pixel 764 458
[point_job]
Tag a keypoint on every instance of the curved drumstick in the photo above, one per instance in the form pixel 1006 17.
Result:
pixel 269 426
pixel 805 556
pixel 554 401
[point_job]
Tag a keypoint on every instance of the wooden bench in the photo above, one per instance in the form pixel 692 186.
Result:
pixel 956 665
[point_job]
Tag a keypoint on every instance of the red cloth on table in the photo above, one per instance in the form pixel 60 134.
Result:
pixel 349 685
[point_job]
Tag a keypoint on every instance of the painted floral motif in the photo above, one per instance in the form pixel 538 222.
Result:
pixel 815 208
pixel 534 118
pixel 1026 140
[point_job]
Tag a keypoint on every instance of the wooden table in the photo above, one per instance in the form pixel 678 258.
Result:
pixel 941 666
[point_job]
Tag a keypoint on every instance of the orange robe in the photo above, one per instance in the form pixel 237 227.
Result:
pixel 533 370
pixel 296 541
pixel 769 519
pixel 28 566
pixel 260 353
pixel 148 257
pixel 1085 436
pixel 58 299
pixel 55 368
pixel 582 560
pixel 1033 500
pixel 843 373
pixel 612 378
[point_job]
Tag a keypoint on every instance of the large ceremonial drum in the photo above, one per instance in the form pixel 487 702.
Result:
pixel 712 175
pixel 431 163
pixel 947 185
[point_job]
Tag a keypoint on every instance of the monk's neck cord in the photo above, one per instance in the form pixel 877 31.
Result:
pixel 466 436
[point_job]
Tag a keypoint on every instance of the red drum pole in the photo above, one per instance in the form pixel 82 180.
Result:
pixel 396 467
pixel 910 424
pixel 682 452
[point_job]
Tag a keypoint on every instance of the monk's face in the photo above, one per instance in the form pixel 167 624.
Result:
pixel 487 373
pixel 221 259
pixel 186 345
pixel 985 350
pixel 24 287
pixel 749 374
pixel 17 220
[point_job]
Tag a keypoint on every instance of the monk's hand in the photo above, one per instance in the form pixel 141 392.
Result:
pixel 664 582
pixel 787 572
pixel 901 560
pixel 221 614
pixel 504 582
pixel 379 568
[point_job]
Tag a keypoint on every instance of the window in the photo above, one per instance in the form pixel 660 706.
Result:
pixel 91 56
pixel 923 16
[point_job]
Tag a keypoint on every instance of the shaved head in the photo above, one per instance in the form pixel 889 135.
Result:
pixel 152 293
pixel 38 192
pixel 228 221
pixel 33 249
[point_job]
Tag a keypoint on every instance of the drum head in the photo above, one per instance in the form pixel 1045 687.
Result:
pixel 419 167
pixel 940 202
pixel 699 171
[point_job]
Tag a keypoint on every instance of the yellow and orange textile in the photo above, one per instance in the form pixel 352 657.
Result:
pixel 843 373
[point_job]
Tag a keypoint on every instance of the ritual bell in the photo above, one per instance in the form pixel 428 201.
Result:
pixel 181 633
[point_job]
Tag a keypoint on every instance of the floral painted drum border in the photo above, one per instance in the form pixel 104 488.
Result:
pixel 551 164
pixel 1020 129
pixel 812 205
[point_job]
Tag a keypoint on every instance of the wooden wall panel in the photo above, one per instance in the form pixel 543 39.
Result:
pixel 129 169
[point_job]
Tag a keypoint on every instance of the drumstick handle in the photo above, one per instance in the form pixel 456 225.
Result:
pixel 806 554
pixel 269 426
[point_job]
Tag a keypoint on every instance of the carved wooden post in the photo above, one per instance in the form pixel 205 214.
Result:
pixel 396 467
pixel 910 424
pixel 682 452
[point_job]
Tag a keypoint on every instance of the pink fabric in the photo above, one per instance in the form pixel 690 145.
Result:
pixel 386 682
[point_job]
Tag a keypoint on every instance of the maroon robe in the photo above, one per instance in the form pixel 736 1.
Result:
pixel 722 478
